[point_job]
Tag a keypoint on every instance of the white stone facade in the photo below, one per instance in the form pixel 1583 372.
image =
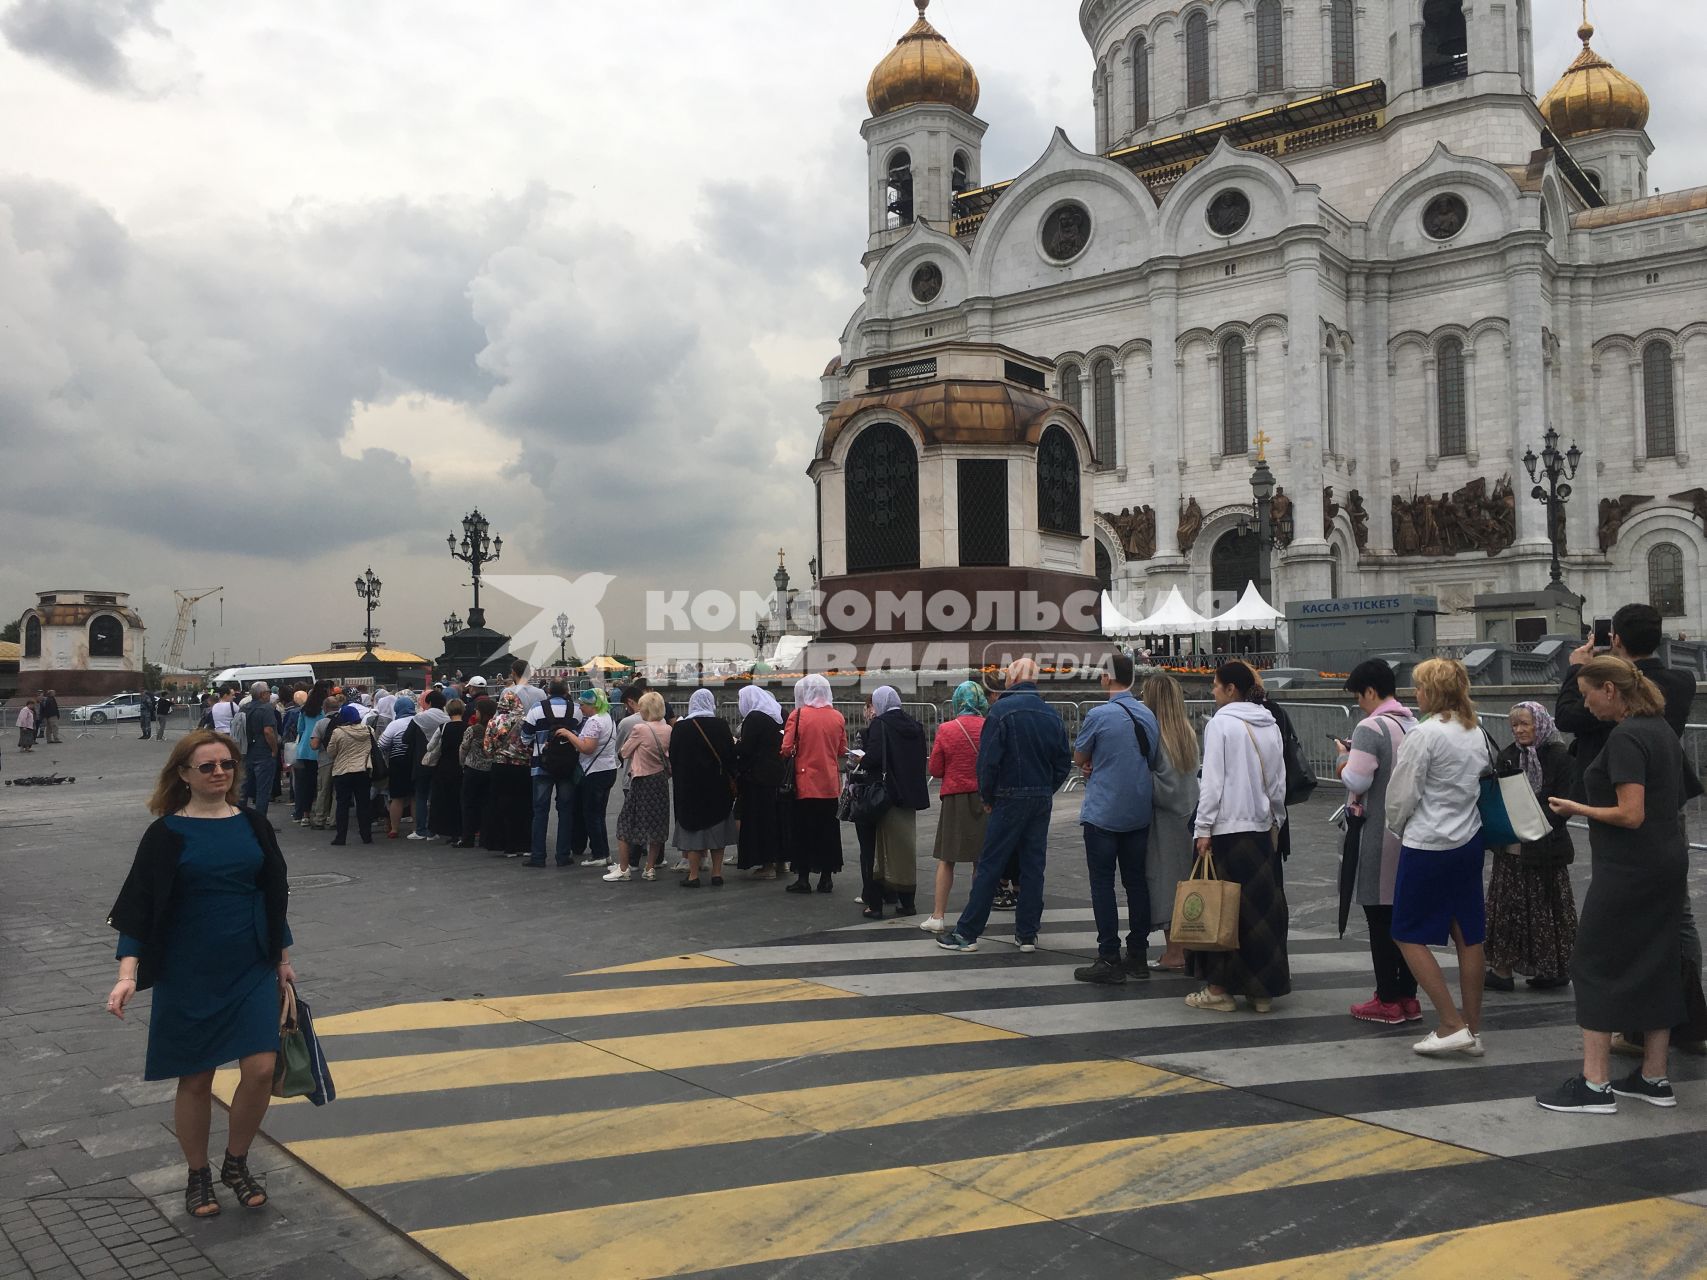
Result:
pixel 1351 315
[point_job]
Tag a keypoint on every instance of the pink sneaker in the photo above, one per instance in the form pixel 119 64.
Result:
pixel 1378 1010
pixel 1413 1010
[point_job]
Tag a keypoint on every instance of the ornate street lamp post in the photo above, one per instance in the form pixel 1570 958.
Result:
pixel 761 637
pixel 453 624
pixel 1268 535
pixel 367 587
pixel 478 548
pixel 1552 472
pixel 563 631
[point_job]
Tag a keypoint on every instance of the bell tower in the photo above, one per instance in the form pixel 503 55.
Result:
pixel 923 142
pixel 1444 49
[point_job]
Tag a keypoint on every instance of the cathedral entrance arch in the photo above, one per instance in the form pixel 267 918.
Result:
pixel 1232 564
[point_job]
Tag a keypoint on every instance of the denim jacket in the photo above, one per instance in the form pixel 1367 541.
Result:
pixel 1023 753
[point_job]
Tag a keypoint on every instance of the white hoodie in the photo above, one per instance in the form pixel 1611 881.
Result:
pixel 1244 772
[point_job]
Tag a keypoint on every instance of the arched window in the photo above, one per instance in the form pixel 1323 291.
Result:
pixel 1141 84
pixel 1345 44
pixel 32 637
pixel 1659 400
pixel 1102 392
pixel 1105 567
pixel 962 180
pixel 1445 42
pixel 1197 59
pixel 1233 562
pixel 882 492
pixel 1331 410
pixel 1235 411
pixel 1665 580
pixel 1449 392
pixel 900 190
pixel 1271 62
pixel 1070 393
pixel 1057 483
pixel 106 637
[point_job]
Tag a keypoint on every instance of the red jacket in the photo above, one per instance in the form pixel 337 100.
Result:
pixel 816 738
pixel 954 759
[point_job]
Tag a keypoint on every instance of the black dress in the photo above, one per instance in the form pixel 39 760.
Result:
pixel 1628 964
pixel 702 766
pixel 446 796
pixel 760 770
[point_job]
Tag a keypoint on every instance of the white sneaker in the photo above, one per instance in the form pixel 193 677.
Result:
pixel 1474 1050
pixel 595 862
pixel 650 873
pixel 617 873
pixel 1435 1045
pixel 416 835
pixel 933 924
pixel 1027 947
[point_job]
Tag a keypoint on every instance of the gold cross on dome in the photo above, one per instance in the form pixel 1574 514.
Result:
pixel 1263 440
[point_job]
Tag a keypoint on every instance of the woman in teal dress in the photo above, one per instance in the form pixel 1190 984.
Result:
pixel 201 919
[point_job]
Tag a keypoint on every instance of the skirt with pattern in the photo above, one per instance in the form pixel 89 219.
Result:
pixel 1532 918
pixel 1260 966
pixel 645 815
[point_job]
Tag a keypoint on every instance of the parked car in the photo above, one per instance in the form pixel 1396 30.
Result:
pixel 124 706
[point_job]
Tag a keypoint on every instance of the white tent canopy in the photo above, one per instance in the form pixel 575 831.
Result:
pixel 1252 613
pixel 1115 623
pixel 1174 618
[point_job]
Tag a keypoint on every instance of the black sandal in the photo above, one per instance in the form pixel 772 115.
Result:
pixel 199 1200
pixel 690 884
pixel 235 1174
pixel 872 913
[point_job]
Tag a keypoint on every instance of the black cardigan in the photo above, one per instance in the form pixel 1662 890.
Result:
pixel 144 907
pixel 702 769
pixel 1558 778
pixel 758 754
pixel 895 751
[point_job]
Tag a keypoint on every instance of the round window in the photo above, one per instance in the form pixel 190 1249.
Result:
pixel 1229 212
pixel 927 282
pixel 1445 217
pixel 1066 232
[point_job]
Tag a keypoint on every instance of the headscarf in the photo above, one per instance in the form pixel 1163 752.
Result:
pixel 385 703
pixel 595 698
pixel 349 713
pixel 814 691
pixel 884 700
pixel 970 699
pixel 754 699
pixel 702 703
pixel 402 707
pixel 1545 732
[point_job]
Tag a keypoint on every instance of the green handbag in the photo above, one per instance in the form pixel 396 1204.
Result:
pixel 293 1069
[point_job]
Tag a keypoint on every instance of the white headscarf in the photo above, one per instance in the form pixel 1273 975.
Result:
pixel 754 699
pixel 702 703
pixel 884 699
pixel 813 691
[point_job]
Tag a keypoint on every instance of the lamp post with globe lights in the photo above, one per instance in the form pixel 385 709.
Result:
pixel 564 632
pixel 1552 473
pixel 477 549
pixel 367 587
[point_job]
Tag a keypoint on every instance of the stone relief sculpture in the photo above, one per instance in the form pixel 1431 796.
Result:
pixel 1359 519
pixel 1280 518
pixel 1190 526
pixel 1330 511
pixel 1137 531
pixel 1470 519
pixel 1613 513
pixel 1697 500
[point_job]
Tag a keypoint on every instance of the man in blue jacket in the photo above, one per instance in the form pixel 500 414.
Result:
pixel 1117 750
pixel 1023 758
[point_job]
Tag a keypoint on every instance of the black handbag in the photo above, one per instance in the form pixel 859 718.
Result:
pixel 864 798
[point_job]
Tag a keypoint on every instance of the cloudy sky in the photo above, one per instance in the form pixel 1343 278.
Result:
pixel 285 288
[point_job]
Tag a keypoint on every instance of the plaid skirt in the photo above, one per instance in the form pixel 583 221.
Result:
pixel 1259 967
pixel 645 816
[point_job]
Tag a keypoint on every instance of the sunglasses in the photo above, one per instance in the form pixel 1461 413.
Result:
pixel 217 766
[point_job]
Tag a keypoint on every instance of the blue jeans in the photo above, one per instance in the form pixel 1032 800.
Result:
pixel 544 785
pixel 1105 851
pixel 595 799
pixel 423 789
pixel 258 774
pixel 1017 828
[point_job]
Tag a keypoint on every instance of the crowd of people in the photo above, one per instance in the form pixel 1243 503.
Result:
pixel 486 768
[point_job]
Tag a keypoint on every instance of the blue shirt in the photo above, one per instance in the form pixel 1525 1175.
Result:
pixel 1118 794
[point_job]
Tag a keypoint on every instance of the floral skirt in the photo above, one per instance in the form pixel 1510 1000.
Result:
pixel 645 815
pixel 1532 918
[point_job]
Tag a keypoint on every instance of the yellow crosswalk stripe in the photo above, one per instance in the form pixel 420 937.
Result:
pixel 797 1219
pixel 681 1050
pixel 532 1141
pixel 657 966
pixel 1647 1238
pixel 439 1014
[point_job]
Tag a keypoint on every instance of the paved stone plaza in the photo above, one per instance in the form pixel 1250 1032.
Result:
pixel 544 1075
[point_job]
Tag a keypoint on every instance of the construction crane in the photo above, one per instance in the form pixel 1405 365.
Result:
pixel 187 601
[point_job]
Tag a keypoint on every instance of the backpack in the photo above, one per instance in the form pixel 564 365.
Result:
pixel 1301 779
pixel 240 729
pixel 560 760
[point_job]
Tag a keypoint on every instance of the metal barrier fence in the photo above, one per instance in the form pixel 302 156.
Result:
pixel 1314 723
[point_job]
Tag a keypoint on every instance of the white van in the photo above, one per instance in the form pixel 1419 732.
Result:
pixel 243 677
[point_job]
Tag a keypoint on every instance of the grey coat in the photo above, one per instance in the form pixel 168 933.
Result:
pixel 1378 849
pixel 1167 860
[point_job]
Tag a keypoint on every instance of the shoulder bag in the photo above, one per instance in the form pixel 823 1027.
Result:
pixel 864 798
pixel 1509 810
pixel 378 767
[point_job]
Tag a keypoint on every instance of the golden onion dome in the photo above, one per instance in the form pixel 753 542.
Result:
pixel 922 67
pixel 1593 96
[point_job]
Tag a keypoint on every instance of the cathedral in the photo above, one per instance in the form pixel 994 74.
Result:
pixel 1356 239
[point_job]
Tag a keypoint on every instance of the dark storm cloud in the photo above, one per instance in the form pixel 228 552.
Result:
pixel 82 38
